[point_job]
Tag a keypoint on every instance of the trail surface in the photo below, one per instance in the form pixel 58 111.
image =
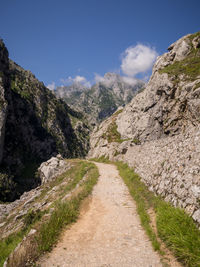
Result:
pixel 108 232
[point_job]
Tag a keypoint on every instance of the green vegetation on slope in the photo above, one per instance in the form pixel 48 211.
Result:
pixel 190 66
pixel 174 226
pixel 112 135
pixel 8 245
pixel 64 212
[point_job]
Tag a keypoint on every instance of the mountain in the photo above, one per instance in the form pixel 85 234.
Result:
pixel 103 98
pixel 34 125
pixel 158 132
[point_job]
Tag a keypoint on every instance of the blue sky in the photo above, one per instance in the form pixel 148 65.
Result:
pixel 58 39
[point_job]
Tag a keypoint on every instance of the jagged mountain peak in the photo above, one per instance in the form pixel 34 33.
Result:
pixel 103 98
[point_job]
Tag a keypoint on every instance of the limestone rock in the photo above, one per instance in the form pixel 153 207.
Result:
pixel 196 216
pixel 159 130
pixel 53 167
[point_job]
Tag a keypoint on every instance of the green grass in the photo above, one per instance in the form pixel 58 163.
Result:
pixel 118 112
pixel 143 197
pixel 192 36
pixel 8 245
pixel 112 135
pixel 18 87
pixel 77 173
pixel 190 66
pixel 136 141
pixel 180 234
pixel 101 159
pixel 174 226
pixel 65 212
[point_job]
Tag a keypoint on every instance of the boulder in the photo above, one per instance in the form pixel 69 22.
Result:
pixel 51 168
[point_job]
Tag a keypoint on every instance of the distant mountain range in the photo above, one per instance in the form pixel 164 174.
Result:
pixel 102 99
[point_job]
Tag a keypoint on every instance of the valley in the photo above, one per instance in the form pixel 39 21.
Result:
pixel 58 156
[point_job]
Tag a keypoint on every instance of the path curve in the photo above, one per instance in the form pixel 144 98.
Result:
pixel 108 234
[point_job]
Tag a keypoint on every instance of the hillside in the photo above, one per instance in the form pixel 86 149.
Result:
pixel 102 99
pixel 34 125
pixel 158 132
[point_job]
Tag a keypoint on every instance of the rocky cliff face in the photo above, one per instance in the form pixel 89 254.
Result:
pixel 158 132
pixel 171 101
pixel 101 100
pixel 34 125
pixel 4 84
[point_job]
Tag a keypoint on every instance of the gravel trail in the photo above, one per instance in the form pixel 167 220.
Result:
pixel 108 233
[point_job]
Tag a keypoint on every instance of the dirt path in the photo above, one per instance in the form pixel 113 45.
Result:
pixel 108 233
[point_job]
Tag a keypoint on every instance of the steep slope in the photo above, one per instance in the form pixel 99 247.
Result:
pixel 34 126
pixel 171 101
pixel 102 99
pixel 4 84
pixel 158 132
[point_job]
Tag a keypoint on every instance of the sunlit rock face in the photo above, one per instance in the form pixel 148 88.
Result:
pixel 158 133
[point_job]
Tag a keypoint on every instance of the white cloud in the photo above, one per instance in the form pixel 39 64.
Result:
pixel 129 80
pixel 51 86
pixel 77 80
pixel 138 59
pixel 98 78
pixel 108 79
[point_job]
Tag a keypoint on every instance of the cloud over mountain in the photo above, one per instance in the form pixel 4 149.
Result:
pixel 76 80
pixel 51 86
pixel 138 59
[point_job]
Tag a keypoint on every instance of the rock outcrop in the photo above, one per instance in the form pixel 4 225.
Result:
pixel 170 103
pixel 34 126
pixel 102 99
pixel 51 168
pixel 158 132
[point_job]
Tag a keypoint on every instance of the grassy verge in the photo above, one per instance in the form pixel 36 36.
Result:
pixel 8 244
pixel 174 226
pixel 143 197
pixel 65 212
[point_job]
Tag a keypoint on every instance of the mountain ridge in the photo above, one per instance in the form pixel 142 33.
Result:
pixel 102 99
